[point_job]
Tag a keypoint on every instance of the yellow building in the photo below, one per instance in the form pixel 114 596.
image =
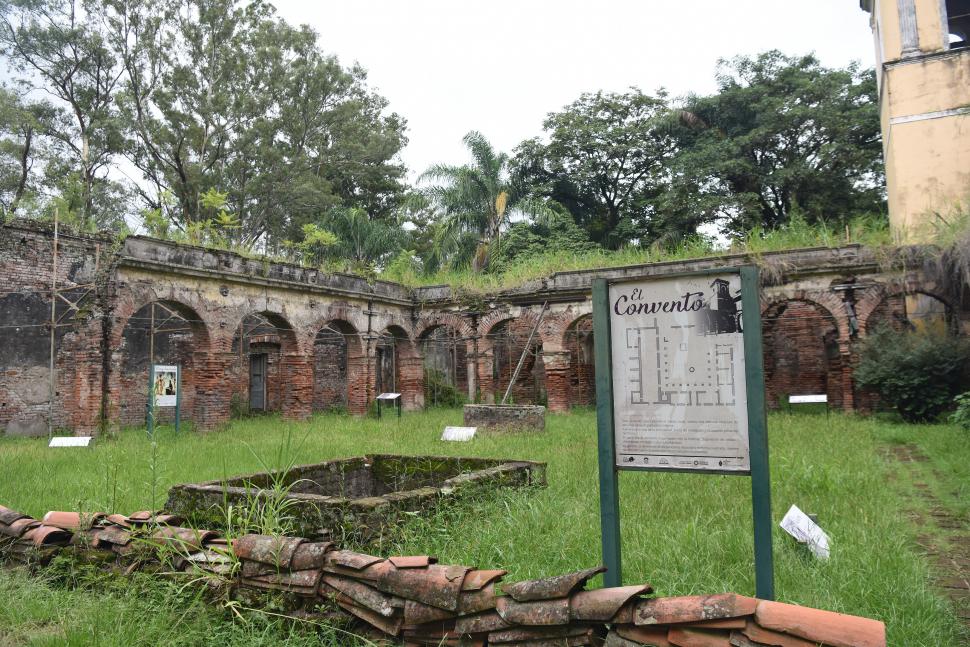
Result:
pixel 923 71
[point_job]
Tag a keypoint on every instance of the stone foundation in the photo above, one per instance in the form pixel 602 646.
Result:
pixel 353 498
pixel 506 417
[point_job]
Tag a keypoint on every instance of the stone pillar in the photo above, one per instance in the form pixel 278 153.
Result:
pixel 486 386
pixel 361 381
pixel 411 382
pixel 213 389
pixel 848 386
pixel 557 380
pixel 471 369
pixel 296 373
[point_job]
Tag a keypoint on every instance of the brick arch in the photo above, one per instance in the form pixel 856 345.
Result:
pixel 803 354
pixel 128 383
pixel 289 372
pixel 428 322
pixel 488 322
pixel 829 302
pixel 399 364
pixel 876 297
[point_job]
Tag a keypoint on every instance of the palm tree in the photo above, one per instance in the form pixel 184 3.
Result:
pixel 475 201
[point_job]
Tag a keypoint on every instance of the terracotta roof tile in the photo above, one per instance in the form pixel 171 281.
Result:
pixel 73 520
pixel 693 608
pixel 391 626
pixel 480 623
pixel 686 637
pixel 311 554
pixel 47 536
pixel 416 613
pixel 535 613
pixel 270 551
pixel 551 587
pixel 185 540
pixel 17 528
pixel 835 629
pixel 8 516
pixel 761 636
pixel 437 585
pixel 646 635
pixel 614 639
pixel 603 604
pixel 477 579
pixel 352 560
pixel 300 582
pixel 412 562
pixel 362 594
pixel 477 601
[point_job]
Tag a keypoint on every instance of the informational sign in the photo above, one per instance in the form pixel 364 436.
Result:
pixel 800 526
pixel 680 387
pixel 165 382
pixel 71 441
pixel 459 434
pixel 679 397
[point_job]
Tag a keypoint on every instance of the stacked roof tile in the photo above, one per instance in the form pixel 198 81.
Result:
pixel 416 601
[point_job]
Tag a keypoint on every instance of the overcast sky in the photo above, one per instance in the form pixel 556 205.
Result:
pixel 498 66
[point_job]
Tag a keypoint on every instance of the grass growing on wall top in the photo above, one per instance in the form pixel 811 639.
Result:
pixel 685 534
pixel 871 231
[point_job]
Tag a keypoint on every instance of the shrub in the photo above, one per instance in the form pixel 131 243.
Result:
pixel 962 415
pixel 439 392
pixel 916 373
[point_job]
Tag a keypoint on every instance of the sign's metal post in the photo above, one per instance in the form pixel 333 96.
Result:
pixel 609 483
pixel 178 402
pixel 757 433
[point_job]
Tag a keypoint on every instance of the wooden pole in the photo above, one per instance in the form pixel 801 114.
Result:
pixel 525 351
pixel 53 325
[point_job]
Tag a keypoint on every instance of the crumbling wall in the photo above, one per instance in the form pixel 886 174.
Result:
pixel 26 270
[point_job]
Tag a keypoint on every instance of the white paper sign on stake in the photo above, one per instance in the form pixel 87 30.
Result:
pixel 798 524
pixel 459 434
pixel 71 441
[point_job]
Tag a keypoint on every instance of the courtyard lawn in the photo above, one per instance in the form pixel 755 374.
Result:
pixel 685 534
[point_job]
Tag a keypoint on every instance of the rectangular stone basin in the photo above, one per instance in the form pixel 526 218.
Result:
pixel 352 499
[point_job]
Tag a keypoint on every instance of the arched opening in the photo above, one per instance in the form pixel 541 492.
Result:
pixel 578 341
pixel 260 342
pixel 913 311
pixel 330 365
pixel 508 339
pixel 445 366
pixel 801 353
pixel 164 333
pixel 393 346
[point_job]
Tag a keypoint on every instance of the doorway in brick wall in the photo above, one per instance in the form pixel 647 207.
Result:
pixel 257 381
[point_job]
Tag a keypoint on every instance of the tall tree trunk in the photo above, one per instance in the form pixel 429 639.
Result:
pixel 24 168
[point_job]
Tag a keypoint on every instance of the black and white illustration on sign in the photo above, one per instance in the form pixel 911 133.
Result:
pixel 678 374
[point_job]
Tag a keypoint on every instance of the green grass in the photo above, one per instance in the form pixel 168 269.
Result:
pixel 684 534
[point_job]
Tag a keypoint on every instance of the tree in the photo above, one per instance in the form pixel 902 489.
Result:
pixel 223 95
pixel 605 161
pixel 358 241
pixel 59 47
pixel 22 126
pixel 475 201
pixel 783 134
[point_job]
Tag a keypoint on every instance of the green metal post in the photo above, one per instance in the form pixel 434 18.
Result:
pixel 609 483
pixel 757 433
pixel 178 399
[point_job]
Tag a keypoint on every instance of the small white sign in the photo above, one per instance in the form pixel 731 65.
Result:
pixel 807 399
pixel 798 524
pixel 459 434
pixel 165 385
pixel 71 441
pixel 388 396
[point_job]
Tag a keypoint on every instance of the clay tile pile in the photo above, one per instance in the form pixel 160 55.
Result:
pixel 416 601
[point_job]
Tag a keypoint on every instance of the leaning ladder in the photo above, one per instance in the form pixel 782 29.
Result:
pixel 525 351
